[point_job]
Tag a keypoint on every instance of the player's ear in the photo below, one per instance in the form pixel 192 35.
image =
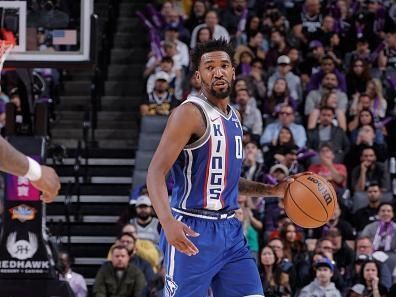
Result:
pixel 233 73
pixel 197 76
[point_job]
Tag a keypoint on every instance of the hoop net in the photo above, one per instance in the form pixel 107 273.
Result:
pixel 5 49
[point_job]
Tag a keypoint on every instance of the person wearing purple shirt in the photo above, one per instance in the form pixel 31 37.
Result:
pixel 327 65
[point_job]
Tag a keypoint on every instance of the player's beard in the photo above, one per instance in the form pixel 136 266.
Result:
pixel 222 94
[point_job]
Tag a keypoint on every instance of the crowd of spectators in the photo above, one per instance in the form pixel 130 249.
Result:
pixel 315 87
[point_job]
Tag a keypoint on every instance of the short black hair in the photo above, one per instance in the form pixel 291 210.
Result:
pixel 215 45
pixel 326 107
pixel 167 59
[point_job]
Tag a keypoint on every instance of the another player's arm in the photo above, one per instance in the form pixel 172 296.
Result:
pixel 184 122
pixel 42 177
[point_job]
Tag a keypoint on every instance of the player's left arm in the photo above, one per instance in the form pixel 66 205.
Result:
pixel 256 189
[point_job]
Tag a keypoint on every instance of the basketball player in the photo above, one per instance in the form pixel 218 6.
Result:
pixel 203 243
pixel 42 177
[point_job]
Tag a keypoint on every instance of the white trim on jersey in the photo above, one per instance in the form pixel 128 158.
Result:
pixel 215 183
pixel 172 251
pixel 188 178
pixel 254 296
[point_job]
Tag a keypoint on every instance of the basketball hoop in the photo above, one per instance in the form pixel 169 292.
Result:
pixel 5 49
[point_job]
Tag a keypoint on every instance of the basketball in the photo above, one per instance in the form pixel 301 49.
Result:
pixel 310 201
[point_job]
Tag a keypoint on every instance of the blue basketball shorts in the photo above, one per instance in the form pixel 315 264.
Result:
pixel 223 263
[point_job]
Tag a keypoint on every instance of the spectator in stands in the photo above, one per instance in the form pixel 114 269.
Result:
pixel 346 230
pixel 160 101
pixel 194 88
pixel 288 157
pixel 387 57
pixel 204 34
pixel 155 64
pixel 243 59
pixel 253 25
pixel 257 44
pixel 129 241
pixel 329 84
pixel 145 249
pixel 250 115
pixel 118 277
pixel 175 76
pixel 335 173
pixel 327 65
pixel 255 79
pixel 306 26
pixel 197 15
pixel 239 84
pixel 343 254
pixel 211 21
pixel 294 248
pixel 285 119
pixel 361 53
pixel 275 150
pixel 277 173
pixel 378 104
pixel 170 50
pixel 357 77
pixel 311 64
pixel 368 214
pixel 359 103
pixel 370 277
pixel 75 280
pixel 382 232
pixel 174 18
pixel 245 216
pixel 325 131
pixel 284 71
pixel 329 99
pixel 322 285
pixel 279 96
pixel 146 224
pixel 363 118
pixel 231 17
pixel 364 252
pixel 172 35
pixel 251 168
pixel 369 171
pixel 275 280
pixel 366 138
pixel 279 47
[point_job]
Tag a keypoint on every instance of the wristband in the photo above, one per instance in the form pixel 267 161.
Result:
pixel 34 171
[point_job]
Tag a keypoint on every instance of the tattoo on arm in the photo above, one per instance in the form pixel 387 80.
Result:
pixel 251 188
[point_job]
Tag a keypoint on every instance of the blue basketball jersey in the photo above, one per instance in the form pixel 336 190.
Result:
pixel 206 173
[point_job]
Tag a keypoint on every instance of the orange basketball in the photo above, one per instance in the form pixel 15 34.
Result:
pixel 310 201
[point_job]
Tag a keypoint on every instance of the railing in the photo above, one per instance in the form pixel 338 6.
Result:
pixel 101 60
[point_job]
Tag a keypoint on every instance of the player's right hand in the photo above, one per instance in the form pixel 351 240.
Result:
pixel 176 234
